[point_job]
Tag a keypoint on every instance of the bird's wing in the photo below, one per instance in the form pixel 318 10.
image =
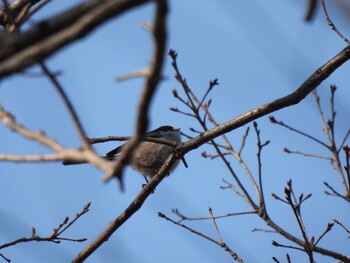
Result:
pixel 152 134
pixel 115 151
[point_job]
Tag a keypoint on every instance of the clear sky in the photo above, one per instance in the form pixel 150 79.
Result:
pixel 259 50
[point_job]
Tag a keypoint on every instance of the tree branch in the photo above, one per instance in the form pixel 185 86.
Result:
pixel 42 40
pixel 294 98
pixel 134 206
pixel 160 37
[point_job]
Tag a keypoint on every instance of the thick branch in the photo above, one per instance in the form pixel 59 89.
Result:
pixel 19 51
pixel 16 7
pixel 294 98
pixel 135 205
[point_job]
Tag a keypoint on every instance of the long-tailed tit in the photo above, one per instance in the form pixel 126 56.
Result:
pixel 148 157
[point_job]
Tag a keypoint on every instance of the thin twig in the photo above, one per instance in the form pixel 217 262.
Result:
pixel 212 84
pixel 182 112
pixel 329 228
pixel 347 166
pixel 296 210
pixel 214 156
pixel 54 237
pixel 5 258
pixel 68 105
pixel 35 9
pixel 135 74
pixel 234 189
pixel 274 243
pixel 341 225
pixel 31 158
pixel 245 135
pixel 77 216
pixel 221 244
pixel 215 225
pixel 185 218
pixel 331 24
pixel 286 150
pixel 194 102
pixel 260 147
pixel 281 123
pixel 39 136
pixel 334 192
pixel 311 10
pixel 279 198
pixel 264 230
pixel 344 140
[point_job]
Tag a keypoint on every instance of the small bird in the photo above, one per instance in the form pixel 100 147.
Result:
pixel 148 157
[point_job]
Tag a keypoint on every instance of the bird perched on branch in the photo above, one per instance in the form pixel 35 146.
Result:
pixel 148 157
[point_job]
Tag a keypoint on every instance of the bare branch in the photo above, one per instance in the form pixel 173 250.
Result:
pixel 68 105
pixel 286 150
pixel 16 9
pixel 239 152
pixel 344 140
pixel 219 243
pixel 160 37
pixel 334 192
pixel 185 218
pixel 75 155
pixel 212 84
pixel 274 243
pixel 215 225
pixel 193 106
pixel 48 36
pixel 330 23
pixel 39 136
pixel 342 226
pixel 281 123
pixel 55 237
pixel 311 10
pixel 264 230
pixel 329 228
pixel 31 158
pixel 308 247
pixel 260 147
pixel 35 9
pixel 134 206
pixel 295 97
pixel 77 216
pixel 5 258
pixel 135 74
pixel 234 189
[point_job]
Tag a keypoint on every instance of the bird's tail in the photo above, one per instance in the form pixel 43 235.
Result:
pixel 73 163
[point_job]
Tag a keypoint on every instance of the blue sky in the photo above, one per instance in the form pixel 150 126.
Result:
pixel 259 51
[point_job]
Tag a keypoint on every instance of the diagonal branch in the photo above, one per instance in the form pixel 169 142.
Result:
pixel 75 155
pixel 134 206
pixel 16 8
pixel 68 104
pixel 233 254
pixel 19 51
pixel 293 98
pixel 160 36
